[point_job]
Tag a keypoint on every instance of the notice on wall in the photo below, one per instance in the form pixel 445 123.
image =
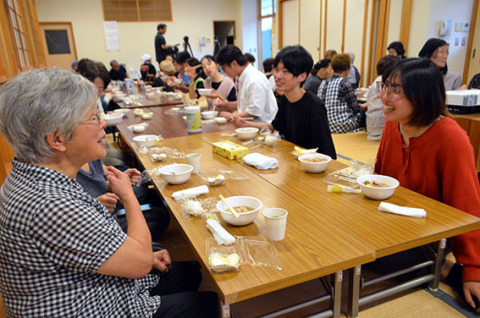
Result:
pixel 111 35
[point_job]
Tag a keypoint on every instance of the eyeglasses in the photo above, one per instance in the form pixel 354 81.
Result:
pixel 391 90
pixel 96 117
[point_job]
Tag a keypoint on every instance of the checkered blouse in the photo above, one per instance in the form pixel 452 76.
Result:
pixel 53 238
pixel 341 104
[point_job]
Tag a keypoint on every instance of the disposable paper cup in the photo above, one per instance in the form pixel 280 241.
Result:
pixel 275 223
pixel 193 159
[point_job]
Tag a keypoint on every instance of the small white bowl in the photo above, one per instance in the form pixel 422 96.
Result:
pixel 204 91
pixel 113 119
pixel 245 218
pixel 122 111
pixel 220 120
pixel 377 193
pixel 178 81
pixel 164 78
pixel 145 140
pixel 138 128
pixel 246 133
pixel 209 114
pixel 176 173
pixel 314 167
pixel 147 115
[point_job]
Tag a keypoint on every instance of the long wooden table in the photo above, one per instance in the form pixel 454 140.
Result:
pixel 350 227
pixel 165 122
pixel 311 249
pixel 145 102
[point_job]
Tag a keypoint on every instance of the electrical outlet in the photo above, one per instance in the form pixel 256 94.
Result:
pixel 464 39
pixel 457 40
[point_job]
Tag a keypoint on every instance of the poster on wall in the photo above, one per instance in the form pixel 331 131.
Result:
pixel 111 35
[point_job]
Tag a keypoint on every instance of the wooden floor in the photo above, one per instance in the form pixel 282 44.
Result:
pixel 415 303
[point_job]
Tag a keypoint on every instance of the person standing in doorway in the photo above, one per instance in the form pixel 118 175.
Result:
pixel 162 49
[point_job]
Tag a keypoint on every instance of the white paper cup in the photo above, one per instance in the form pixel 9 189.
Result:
pixel 275 223
pixel 193 159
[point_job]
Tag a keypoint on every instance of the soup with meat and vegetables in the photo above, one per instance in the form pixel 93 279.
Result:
pixel 315 159
pixel 376 184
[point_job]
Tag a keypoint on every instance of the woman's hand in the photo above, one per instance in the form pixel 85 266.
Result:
pixel 134 175
pixel 471 289
pixel 226 115
pixel 213 94
pixel 120 183
pixel 109 201
pixel 162 261
pixel 220 105
pixel 191 72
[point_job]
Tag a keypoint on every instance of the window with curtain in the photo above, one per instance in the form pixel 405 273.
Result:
pixel 137 10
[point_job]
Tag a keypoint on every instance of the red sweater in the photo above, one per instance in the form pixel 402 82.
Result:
pixel 440 165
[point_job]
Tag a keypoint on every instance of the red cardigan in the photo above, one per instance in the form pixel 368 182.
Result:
pixel 440 165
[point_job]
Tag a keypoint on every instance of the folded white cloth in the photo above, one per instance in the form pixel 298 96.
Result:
pixel 219 233
pixel 260 161
pixel 192 192
pixel 402 210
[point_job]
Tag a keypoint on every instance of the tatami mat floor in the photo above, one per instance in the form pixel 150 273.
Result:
pixel 415 303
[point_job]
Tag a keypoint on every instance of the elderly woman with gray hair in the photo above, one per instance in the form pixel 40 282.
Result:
pixel 61 252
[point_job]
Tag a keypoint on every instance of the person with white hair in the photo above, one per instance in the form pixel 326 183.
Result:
pixel 61 252
pixel 354 75
pixel 147 70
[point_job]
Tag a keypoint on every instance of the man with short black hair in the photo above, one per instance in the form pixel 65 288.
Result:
pixel 255 98
pixel 301 117
pixel 161 46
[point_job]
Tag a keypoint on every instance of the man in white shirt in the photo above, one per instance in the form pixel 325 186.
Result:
pixel 254 96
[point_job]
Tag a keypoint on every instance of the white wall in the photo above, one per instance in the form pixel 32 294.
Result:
pixel 190 17
pixel 457 11
pixel 249 31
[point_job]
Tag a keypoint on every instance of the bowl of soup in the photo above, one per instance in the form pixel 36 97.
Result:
pixel 377 187
pixel 246 207
pixel 113 119
pixel 210 114
pixel 314 162
pixel 246 133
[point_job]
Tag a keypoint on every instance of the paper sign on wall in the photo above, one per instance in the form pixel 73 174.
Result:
pixel 111 35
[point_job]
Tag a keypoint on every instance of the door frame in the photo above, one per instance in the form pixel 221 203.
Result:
pixel 234 30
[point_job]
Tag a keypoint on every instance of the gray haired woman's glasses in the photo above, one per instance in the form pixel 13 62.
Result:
pixel 96 117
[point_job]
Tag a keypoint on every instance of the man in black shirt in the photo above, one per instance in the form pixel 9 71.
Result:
pixel 117 72
pixel 161 47
pixel 301 117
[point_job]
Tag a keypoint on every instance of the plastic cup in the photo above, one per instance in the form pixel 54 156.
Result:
pixel 275 223
pixel 194 159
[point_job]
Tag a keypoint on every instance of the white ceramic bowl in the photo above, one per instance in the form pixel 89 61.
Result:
pixel 377 193
pixel 122 111
pixel 209 114
pixel 204 91
pixel 176 173
pixel 145 140
pixel 245 218
pixel 113 119
pixel 246 133
pixel 164 78
pixel 314 167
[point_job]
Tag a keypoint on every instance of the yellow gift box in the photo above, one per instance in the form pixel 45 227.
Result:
pixel 229 150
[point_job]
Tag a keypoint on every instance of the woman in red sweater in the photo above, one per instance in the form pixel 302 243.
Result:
pixel 431 154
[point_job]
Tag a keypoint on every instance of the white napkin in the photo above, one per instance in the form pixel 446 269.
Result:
pixel 402 210
pixel 192 192
pixel 219 233
pixel 260 161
